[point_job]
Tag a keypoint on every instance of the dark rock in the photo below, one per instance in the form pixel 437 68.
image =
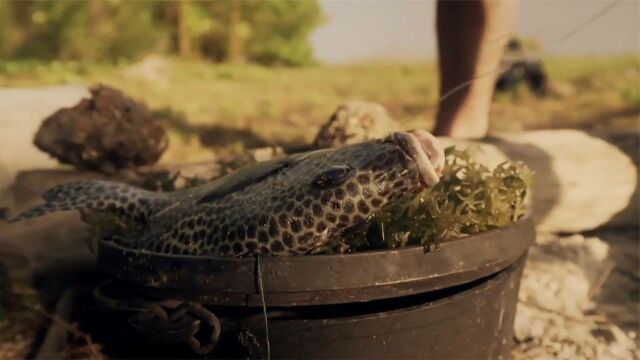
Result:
pixel 522 65
pixel 107 132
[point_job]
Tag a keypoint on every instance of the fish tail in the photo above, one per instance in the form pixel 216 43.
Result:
pixel 121 199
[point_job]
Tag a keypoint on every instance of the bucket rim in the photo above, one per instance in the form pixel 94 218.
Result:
pixel 322 278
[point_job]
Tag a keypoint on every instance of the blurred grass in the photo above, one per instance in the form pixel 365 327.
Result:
pixel 289 104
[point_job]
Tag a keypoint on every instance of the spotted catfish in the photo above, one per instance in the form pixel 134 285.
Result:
pixel 289 206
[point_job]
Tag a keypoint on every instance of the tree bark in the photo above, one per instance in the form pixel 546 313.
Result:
pixel 234 41
pixel 182 31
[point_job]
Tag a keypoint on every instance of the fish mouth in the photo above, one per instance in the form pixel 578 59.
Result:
pixel 426 152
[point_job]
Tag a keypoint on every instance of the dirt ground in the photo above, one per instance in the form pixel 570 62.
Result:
pixel 607 310
pixel 21 114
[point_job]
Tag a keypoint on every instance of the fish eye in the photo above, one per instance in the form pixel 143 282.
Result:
pixel 335 175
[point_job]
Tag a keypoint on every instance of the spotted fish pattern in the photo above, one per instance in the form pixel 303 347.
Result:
pixel 291 206
pixel 121 199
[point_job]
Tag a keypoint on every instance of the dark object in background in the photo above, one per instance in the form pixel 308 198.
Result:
pixel 521 67
pixel 107 132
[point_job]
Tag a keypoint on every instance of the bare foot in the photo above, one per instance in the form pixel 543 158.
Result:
pixel 465 123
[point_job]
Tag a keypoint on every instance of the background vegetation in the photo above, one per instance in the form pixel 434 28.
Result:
pixel 233 70
pixel 287 105
pixel 266 32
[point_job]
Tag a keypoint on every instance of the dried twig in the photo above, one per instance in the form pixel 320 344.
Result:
pixel 91 350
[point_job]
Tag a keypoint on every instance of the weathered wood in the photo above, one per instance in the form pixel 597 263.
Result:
pixel 57 335
pixel 582 180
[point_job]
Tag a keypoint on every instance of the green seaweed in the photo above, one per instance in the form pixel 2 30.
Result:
pixel 470 198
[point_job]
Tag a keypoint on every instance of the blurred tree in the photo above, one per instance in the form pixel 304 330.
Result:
pixel 236 37
pixel 177 14
pixel 184 41
pixel 280 31
pixel 6 23
pixel 82 30
pixel 270 32
pixel 138 29
pixel 226 38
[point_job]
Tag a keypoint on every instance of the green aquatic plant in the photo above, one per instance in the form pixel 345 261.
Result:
pixel 470 198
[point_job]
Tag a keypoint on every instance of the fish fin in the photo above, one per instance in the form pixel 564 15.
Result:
pixel 245 176
pixel 124 200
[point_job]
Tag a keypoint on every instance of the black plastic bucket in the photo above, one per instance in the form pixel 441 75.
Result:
pixel 458 302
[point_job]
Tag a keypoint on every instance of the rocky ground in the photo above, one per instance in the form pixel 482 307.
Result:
pixel 579 298
pixel 579 294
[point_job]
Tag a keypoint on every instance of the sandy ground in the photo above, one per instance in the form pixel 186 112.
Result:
pixel 21 111
pixel 40 242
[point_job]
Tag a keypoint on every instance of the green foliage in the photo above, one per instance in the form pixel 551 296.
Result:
pixel 631 94
pixel 6 23
pixel 279 32
pixel 469 198
pixel 268 32
pixel 265 32
pixel 82 30
pixel 135 31
pixel 287 104
pixel 593 72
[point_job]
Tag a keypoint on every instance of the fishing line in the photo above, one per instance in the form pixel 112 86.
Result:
pixel 589 20
pixel 457 88
pixel 467 83
pixel 564 37
pixel 264 305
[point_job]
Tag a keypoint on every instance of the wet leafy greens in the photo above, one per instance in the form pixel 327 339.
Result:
pixel 469 198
